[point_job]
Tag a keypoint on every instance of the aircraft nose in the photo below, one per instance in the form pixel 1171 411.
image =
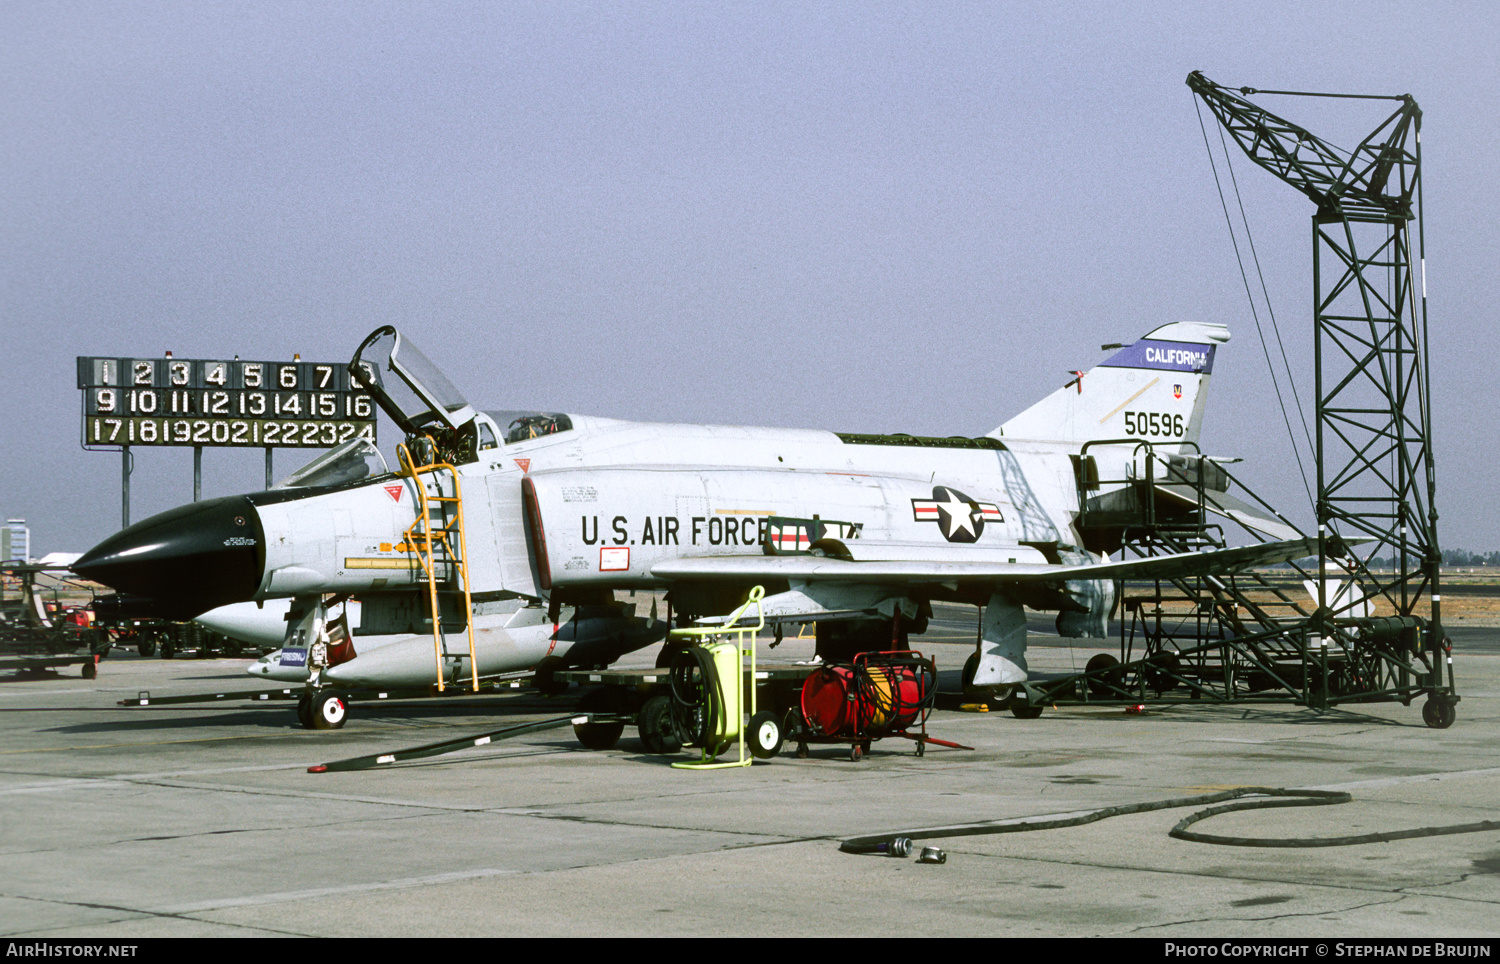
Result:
pixel 188 560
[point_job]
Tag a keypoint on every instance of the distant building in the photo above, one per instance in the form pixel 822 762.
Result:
pixel 15 541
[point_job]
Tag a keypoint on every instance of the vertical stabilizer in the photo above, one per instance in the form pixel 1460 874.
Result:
pixel 1153 390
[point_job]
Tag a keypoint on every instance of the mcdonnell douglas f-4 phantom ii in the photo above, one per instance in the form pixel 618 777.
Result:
pixel 506 518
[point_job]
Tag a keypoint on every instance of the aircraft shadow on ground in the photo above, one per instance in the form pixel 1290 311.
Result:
pixel 34 676
pixel 281 715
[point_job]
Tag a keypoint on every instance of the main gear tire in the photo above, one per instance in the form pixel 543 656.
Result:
pixel 546 683
pixel 1024 711
pixel 654 725
pixel 598 736
pixel 1110 678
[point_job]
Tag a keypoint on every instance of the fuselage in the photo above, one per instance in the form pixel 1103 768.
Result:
pixel 620 497
pixel 596 507
pixel 601 504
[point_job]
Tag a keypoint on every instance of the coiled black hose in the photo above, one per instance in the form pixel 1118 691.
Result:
pixel 881 843
pixel 883 695
pixel 696 706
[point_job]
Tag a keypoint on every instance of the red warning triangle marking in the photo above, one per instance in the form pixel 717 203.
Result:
pixel 525 464
pixel 394 491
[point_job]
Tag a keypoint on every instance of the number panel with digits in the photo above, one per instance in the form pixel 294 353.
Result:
pixel 182 401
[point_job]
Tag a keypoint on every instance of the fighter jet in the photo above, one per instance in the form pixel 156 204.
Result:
pixel 855 533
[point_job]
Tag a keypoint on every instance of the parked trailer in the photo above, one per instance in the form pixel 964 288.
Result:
pixel 644 697
pixel 40 630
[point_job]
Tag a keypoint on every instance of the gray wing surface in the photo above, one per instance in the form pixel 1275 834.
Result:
pixel 922 568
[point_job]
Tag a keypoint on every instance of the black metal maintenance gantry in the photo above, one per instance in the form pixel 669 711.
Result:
pixel 1246 637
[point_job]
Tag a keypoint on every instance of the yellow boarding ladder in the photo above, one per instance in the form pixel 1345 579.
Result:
pixel 432 540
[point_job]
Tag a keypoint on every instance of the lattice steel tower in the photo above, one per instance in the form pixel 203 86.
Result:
pixel 1375 469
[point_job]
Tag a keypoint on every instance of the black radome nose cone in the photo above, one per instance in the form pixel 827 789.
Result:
pixel 189 560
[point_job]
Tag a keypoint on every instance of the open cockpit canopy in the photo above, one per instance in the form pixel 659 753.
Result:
pixel 411 389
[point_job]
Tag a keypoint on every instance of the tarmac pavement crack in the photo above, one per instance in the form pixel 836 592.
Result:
pixel 1412 891
pixel 138 913
pixel 657 825
pixel 1271 917
pixel 302 828
pixel 1403 892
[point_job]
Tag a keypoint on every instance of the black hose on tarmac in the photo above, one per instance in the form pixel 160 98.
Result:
pixel 880 843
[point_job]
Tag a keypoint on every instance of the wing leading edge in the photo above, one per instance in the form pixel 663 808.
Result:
pixel 920 570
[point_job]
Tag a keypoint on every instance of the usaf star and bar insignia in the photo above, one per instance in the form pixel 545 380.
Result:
pixel 959 517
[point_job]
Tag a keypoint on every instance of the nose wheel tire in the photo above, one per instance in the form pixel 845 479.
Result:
pixel 765 735
pixel 326 712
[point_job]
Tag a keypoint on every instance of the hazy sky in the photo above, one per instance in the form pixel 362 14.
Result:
pixel 864 217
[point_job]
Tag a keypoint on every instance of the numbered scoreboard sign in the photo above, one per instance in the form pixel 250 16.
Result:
pixel 249 404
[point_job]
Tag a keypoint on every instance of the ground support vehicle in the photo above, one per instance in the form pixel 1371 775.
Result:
pixel 874 696
pixel 38 633
pixel 643 698
pixel 151 637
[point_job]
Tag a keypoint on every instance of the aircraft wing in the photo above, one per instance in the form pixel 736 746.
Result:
pixel 925 567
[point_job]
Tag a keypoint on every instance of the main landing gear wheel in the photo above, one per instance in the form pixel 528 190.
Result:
pixel 146 647
pixel 765 735
pixel 90 670
pixel 971 666
pixel 597 736
pixel 1104 685
pixel 1438 713
pixel 654 724
pixel 1024 711
pixel 328 712
pixel 545 682
pixel 304 711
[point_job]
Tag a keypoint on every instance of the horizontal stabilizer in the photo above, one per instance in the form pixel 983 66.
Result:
pixel 1223 504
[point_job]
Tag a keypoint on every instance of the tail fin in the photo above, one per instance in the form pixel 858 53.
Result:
pixel 1154 390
